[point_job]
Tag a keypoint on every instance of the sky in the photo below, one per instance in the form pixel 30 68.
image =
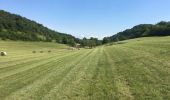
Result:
pixel 90 18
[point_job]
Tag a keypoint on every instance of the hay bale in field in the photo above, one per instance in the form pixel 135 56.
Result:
pixel 3 53
pixel 71 48
pixel 33 51
pixel 87 47
pixel 49 51
pixel 121 42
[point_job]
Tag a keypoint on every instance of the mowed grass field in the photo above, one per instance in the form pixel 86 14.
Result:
pixel 137 69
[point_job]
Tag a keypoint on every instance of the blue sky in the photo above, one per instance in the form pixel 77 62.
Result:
pixel 86 18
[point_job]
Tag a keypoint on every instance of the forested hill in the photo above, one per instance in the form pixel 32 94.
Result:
pixel 143 30
pixel 15 27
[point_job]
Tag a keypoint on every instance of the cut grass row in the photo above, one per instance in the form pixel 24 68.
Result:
pixel 29 74
pixel 135 70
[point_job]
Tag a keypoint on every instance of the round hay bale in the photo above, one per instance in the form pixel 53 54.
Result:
pixel 3 53
pixel 71 48
pixel 41 51
pixel 49 51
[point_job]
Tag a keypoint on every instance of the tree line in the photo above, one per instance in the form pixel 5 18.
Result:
pixel 143 30
pixel 16 27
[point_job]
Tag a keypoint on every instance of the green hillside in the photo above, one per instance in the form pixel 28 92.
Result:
pixel 137 69
pixel 143 30
pixel 16 27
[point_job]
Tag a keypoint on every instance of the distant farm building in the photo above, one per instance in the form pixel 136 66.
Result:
pixel 3 53
pixel 77 46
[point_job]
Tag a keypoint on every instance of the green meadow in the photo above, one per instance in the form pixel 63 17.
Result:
pixel 136 69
